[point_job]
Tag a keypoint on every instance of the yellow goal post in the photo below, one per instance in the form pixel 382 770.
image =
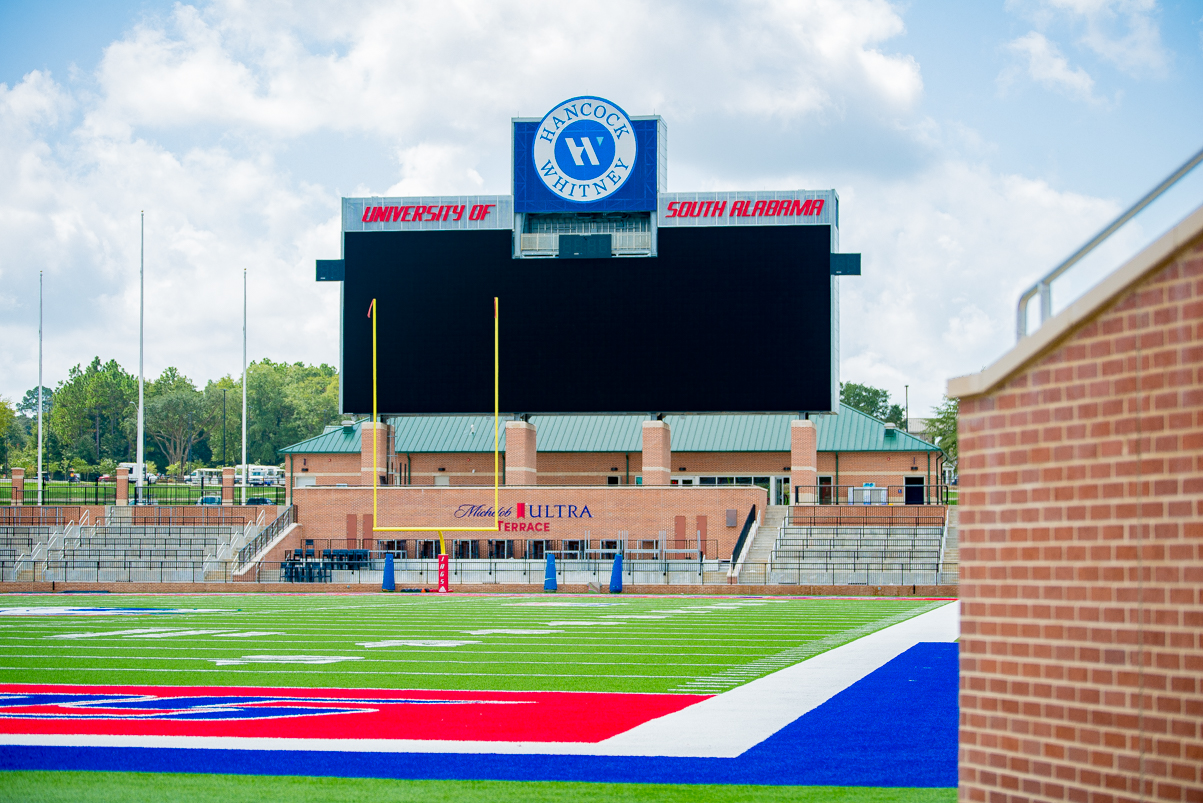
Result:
pixel 373 313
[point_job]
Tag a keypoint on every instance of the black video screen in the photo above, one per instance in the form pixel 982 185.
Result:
pixel 724 319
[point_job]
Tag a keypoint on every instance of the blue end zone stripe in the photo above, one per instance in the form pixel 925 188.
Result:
pixel 896 727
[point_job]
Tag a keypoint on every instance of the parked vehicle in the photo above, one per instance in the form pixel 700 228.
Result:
pixel 209 500
pixel 134 469
pixel 259 500
pixel 204 476
pixel 260 475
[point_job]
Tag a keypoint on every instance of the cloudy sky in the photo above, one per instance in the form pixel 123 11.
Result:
pixel 973 146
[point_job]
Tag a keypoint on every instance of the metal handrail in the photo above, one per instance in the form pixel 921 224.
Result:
pixel 1044 289
pixel 287 517
pixel 743 535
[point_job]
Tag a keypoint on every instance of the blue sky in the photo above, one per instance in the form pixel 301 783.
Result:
pixel 973 145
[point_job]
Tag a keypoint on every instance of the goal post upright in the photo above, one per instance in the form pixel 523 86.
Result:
pixel 373 313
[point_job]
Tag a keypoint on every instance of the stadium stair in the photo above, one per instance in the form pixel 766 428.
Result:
pixel 754 569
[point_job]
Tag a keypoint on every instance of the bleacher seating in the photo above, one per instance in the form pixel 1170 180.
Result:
pixel 115 553
pixel 872 554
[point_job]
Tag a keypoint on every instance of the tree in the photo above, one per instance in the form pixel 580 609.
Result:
pixel 175 419
pixel 286 403
pixel 90 409
pixel 942 427
pixel 8 422
pixel 29 404
pixel 873 401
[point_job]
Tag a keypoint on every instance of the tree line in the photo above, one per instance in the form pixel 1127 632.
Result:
pixel 941 427
pixel 90 419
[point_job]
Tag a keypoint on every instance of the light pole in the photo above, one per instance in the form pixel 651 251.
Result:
pixel 224 391
pixel 141 467
pixel 39 388
pixel 245 475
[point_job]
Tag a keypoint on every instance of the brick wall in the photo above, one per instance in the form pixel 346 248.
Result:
pixel 325 469
pixel 1080 565
pixel 594 468
pixel 882 468
pixel 642 511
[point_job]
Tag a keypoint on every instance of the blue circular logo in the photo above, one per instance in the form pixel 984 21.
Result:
pixel 584 149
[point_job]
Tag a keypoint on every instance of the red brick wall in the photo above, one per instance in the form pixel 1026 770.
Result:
pixel 642 511
pixel 326 469
pixel 593 468
pixel 1080 566
pixel 588 468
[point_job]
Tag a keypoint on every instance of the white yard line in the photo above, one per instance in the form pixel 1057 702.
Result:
pixel 724 726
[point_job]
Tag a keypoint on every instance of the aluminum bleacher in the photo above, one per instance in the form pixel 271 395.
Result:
pixel 886 553
pixel 119 552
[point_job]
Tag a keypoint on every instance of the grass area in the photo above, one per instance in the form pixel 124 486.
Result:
pixel 120 787
pixel 469 642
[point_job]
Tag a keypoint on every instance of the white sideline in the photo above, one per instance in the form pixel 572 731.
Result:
pixel 735 721
pixel 723 726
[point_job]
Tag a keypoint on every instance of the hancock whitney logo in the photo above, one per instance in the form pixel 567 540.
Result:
pixel 585 149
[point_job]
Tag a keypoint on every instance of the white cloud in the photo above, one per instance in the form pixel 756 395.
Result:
pixel 946 254
pixel 193 120
pixel 1123 32
pixel 1046 65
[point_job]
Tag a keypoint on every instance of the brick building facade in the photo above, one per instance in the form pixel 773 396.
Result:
pixel 851 449
pixel 1081 565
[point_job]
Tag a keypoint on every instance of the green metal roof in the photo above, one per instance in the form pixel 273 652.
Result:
pixel 854 431
pixel 445 433
pixel 589 433
pixel 731 432
pixel 850 431
pixel 332 441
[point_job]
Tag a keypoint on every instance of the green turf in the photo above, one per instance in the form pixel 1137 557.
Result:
pixel 686 644
pixel 119 787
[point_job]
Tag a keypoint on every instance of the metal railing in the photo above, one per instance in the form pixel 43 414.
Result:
pixel 424 573
pixel 43 516
pixel 933 494
pixel 286 518
pixel 66 493
pixel 585 548
pixel 119 570
pixel 819 517
pixel 743 535
pixel 420 572
pixel 1104 263
pixel 184 494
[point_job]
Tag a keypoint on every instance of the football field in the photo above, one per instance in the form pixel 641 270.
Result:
pixel 422 696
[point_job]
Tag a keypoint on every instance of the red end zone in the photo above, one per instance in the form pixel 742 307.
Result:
pixel 328 713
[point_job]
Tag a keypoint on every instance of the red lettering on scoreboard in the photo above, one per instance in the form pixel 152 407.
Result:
pixel 424 214
pixel 791 207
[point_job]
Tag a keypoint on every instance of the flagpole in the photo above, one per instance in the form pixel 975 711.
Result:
pixel 140 469
pixel 245 477
pixel 39 388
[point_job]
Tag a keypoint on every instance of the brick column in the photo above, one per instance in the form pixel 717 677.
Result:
pixel 803 460
pixel 657 453
pixel 365 452
pixel 122 487
pixel 520 454
pixel 227 485
pixel 18 486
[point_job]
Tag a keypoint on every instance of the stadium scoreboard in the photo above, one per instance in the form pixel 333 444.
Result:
pixel 615 295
